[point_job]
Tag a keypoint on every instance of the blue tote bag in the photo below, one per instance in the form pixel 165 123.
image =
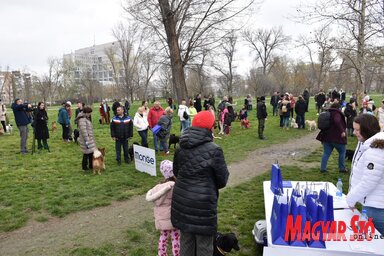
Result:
pixel 315 213
pixel 298 208
pixel 279 219
pixel 156 129
pixel 276 180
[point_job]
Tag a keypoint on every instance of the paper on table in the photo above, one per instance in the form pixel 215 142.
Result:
pixel 287 184
pixel 360 247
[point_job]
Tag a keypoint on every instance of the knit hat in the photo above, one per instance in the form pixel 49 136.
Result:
pixel 166 168
pixel 204 119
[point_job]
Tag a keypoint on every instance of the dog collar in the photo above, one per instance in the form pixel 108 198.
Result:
pixel 221 250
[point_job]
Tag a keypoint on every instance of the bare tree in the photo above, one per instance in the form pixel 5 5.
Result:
pixel 322 46
pixel 148 67
pixel 185 27
pixel 362 22
pixel 264 42
pixel 48 84
pixel 281 74
pixel 131 42
pixel 116 65
pixel 227 70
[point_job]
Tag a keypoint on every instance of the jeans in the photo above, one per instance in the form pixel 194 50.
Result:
pixel 23 138
pixel 144 136
pixel 184 125
pixel 118 144
pixel 195 245
pixel 285 121
pixel 164 144
pixel 274 110
pixel 300 120
pixel 156 143
pixel 377 215
pixel 328 148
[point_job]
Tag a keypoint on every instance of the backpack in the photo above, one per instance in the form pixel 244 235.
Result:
pixel 324 120
pixel 185 115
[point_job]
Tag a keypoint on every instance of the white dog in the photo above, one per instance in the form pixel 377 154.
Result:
pixel 294 124
pixel 312 125
pixel 9 128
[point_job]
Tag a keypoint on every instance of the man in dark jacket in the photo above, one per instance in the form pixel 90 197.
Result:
pixel 22 118
pixel 121 131
pixel 197 103
pixel 320 100
pixel 261 116
pixel 306 98
pixel 300 109
pixel 334 137
pixel 274 102
pixel 201 171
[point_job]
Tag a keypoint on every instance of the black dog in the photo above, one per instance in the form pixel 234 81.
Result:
pixel 76 134
pixel 130 150
pixel 224 243
pixel 173 139
pixel 349 154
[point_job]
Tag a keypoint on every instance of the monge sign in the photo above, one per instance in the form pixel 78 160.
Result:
pixel 145 160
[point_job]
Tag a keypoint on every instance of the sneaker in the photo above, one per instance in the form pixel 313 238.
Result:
pixel 343 171
pixel 323 171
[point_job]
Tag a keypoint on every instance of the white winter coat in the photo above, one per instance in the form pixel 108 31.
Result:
pixel 180 113
pixel 367 175
pixel 140 122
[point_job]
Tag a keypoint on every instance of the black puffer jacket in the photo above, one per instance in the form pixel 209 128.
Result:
pixel 201 171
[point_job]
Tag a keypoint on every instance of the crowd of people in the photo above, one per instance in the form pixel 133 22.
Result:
pixel 186 201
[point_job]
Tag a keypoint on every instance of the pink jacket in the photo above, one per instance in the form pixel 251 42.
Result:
pixel 161 195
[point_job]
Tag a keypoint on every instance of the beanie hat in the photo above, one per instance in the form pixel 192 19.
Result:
pixel 166 168
pixel 204 119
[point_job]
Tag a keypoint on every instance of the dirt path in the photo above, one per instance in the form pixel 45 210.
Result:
pixel 107 224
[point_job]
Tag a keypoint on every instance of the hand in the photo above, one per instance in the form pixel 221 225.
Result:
pixel 29 106
pixel 343 135
pixel 114 138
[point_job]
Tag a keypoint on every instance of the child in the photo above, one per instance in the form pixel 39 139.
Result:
pixel 161 195
pixel 244 117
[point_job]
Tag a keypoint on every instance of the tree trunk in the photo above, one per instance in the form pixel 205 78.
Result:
pixel 361 86
pixel 178 76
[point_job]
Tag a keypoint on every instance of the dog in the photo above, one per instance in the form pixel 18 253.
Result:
pixel 76 134
pixel 245 124
pixel 312 125
pixel 224 243
pixel 54 126
pixel 98 160
pixel 131 153
pixel 294 124
pixel 173 140
pixel 9 128
pixel 349 154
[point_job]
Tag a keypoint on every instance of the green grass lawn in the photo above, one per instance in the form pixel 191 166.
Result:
pixel 52 184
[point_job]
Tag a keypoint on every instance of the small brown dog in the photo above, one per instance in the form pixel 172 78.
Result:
pixel 98 160
pixel 54 126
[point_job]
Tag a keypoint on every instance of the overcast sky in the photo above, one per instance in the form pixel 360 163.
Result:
pixel 34 30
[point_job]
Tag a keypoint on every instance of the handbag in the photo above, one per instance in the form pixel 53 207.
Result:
pixel 279 219
pixel 185 115
pixel 276 180
pixel 156 129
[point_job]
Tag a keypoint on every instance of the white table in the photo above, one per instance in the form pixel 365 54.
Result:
pixel 341 212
